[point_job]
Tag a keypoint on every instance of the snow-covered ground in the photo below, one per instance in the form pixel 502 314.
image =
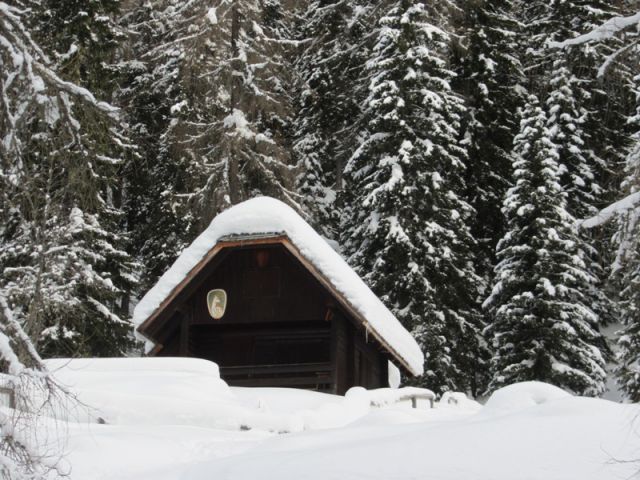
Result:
pixel 175 419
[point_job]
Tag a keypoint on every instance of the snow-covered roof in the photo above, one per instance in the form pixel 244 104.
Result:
pixel 264 215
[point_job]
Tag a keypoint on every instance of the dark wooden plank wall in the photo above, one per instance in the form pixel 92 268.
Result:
pixel 359 360
pixel 279 290
pixel 263 344
pixel 369 364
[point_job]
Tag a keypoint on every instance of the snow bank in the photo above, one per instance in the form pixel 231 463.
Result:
pixel 264 215
pixel 523 395
pixel 565 439
pixel 189 392
pixel 172 419
pixel 146 390
pixel 76 366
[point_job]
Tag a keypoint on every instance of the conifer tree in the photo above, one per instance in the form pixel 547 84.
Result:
pixel 598 110
pixel 491 80
pixel 578 171
pixel 65 272
pixel 543 327
pixel 624 210
pixel 158 176
pixel 406 226
pixel 585 116
pixel 250 152
pixel 216 125
pixel 329 95
pixel 566 124
pixel 82 37
pixel 628 356
pixel 627 268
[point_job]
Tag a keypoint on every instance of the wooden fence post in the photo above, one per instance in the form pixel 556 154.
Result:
pixel 10 394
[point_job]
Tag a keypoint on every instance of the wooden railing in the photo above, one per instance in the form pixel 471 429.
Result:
pixel 316 375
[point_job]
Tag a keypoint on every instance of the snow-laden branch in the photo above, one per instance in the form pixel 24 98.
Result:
pixel 618 208
pixel 27 58
pixel 605 31
pixel 76 90
pixel 611 58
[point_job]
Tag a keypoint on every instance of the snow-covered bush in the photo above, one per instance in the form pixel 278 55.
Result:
pixel 26 451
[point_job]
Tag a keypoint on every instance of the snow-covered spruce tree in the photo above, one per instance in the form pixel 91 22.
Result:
pixel 599 108
pixel 586 116
pixel 579 165
pixel 491 80
pixel 565 122
pixel 335 41
pixel 405 226
pixel 64 272
pixel 218 118
pixel 543 327
pixel 82 38
pixel 625 211
pixel 626 268
pixel 158 176
pixel 242 149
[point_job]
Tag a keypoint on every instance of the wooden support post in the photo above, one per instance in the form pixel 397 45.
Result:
pixel 10 394
pixel 384 371
pixel 335 370
pixel 185 327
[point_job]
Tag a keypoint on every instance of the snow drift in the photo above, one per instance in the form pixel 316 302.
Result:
pixel 173 418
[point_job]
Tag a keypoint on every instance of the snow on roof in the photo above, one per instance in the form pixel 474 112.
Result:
pixel 264 215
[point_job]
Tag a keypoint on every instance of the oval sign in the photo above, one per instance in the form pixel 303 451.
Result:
pixel 217 303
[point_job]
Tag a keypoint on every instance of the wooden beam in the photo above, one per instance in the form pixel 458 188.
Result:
pixel 321 368
pixel 185 330
pixel 283 382
pixel 155 350
pixel 333 354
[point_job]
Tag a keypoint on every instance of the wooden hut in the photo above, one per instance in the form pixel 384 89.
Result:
pixel 265 297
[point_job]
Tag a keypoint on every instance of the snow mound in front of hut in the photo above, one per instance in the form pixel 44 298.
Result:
pixel 190 392
pixel 265 215
pixel 523 395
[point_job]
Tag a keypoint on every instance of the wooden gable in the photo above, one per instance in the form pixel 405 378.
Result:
pixel 284 324
pixel 176 301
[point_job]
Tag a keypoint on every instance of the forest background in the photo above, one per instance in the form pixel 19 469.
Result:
pixel 477 163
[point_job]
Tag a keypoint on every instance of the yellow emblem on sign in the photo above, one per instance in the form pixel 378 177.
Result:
pixel 217 303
